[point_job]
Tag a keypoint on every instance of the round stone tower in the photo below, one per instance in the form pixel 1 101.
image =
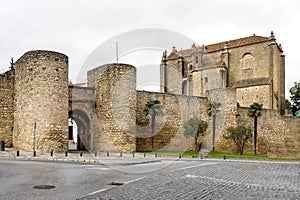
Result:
pixel 116 107
pixel 41 102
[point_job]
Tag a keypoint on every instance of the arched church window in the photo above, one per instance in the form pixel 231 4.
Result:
pixel 196 59
pixel 247 61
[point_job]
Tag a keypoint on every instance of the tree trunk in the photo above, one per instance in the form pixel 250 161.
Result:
pixel 214 133
pixel 242 150
pixel 196 144
pixel 255 134
pixel 152 131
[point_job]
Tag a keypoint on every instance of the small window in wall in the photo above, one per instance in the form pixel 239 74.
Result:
pixel 183 71
pixel 206 80
pixel 184 87
pixel 247 61
pixel 196 59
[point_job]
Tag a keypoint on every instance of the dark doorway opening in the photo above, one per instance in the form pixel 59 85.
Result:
pixel 82 122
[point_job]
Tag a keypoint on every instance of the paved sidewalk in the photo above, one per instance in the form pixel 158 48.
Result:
pixel 102 158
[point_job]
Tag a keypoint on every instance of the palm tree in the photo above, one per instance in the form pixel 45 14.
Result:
pixel 194 128
pixel 255 111
pixel 212 110
pixel 153 108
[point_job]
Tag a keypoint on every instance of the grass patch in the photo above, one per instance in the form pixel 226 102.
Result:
pixel 248 156
pixel 171 153
pixel 235 155
pixel 190 154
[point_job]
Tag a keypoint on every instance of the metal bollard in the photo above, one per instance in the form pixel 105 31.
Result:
pixel 144 155
pixel 224 157
pixel 66 154
pixel 107 154
pixel 2 146
pixel 51 153
pixel 18 153
pixel 132 153
pixel 80 153
pixel 121 154
pixel 155 155
pixel 34 153
pixel 180 155
pixel 95 154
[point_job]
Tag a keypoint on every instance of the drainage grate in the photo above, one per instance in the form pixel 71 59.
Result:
pixel 44 187
pixel 116 183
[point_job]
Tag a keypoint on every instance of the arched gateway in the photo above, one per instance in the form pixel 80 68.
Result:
pixel 81 109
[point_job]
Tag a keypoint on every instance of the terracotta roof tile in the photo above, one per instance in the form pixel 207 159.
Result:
pixel 219 46
pixel 236 43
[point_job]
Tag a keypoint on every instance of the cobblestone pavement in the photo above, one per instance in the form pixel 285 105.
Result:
pixel 216 180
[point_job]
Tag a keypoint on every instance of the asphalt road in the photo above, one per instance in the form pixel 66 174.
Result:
pixel 71 180
pixel 168 179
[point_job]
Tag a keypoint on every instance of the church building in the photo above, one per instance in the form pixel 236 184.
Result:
pixel 254 66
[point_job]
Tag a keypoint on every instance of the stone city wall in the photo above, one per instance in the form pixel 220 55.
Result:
pixel 278 136
pixel 7 107
pixel 177 109
pixel 115 99
pixel 225 117
pixel 41 98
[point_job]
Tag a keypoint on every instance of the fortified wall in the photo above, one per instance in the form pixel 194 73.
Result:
pixel 278 136
pixel 115 107
pixel 177 109
pixel 115 100
pixel 36 102
pixel 41 101
pixel 7 107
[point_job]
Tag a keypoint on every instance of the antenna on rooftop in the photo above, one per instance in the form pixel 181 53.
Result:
pixel 117 56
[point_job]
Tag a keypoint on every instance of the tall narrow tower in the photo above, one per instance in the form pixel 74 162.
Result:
pixel 41 101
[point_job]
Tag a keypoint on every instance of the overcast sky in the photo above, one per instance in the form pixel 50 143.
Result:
pixel 76 28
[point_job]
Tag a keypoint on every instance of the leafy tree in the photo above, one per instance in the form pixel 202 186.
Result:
pixel 288 104
pixel 295 97
pixel 153 108
pixel 240 135
pixel 255 111
pixel 276 99
pixel 194 128
pixel 212 110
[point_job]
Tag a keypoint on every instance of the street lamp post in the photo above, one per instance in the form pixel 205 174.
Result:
pixel 34 132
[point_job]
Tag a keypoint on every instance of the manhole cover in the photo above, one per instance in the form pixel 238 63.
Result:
pixel 116 183
pixel 44 187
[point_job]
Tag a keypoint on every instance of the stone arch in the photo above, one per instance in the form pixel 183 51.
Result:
pixel 83 128
pixel 247 61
